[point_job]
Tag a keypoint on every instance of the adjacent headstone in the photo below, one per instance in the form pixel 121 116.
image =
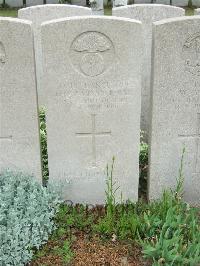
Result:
pixel 163 2
pixel 117 3
pixel 93 75
pixel 34 2
pixel 197 11
pixel 176 107
pixel 19 132
pixel 16 3
pixel 97 7
pixel 180 3
pixel 142 1
pixel 38 15
pixel 147 13
pixel 52 1
pixel 78 2
pixel 196 3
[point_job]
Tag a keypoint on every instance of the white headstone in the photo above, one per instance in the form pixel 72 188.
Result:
pixel 120 3
pixel 34 2
pixel 196 3
pixel 142 1
pixel 163 2
pixel 97 7
pixel 197 11
pixel 19 132
pixel 147 13
pixel 176 106
pixel 38 15
pixel 78 2
pixel 180 2
pixel 16 3
pixel 92 72
pixel 52 1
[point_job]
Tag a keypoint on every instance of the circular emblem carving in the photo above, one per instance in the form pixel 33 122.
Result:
pixel 191 52
pixel 92 53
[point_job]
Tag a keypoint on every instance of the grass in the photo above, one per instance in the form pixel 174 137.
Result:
pixel 8 12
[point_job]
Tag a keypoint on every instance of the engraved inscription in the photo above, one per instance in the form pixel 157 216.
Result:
pixel 191 52
pixel 98 96
pixel 93 134
pixel 196 138
pixel 2 54
pixel 92 53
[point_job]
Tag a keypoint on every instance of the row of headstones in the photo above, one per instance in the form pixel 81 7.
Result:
pixel 92 93
pixel 27 3
pixel 180 3
pixel 144 13
pixel 20 3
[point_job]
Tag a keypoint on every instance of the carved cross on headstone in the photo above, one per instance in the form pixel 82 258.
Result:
pixel 196 137
pixel 93 134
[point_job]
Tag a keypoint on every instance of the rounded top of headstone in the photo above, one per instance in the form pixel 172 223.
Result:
pixel 42 13
pixel 14 20
pixel 147 12
pixel 91 18
pixel 52 6
pixel 152 6
pixel 176 20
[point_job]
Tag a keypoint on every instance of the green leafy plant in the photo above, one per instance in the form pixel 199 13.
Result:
pixel 65 251
pixel 143 160
pixel 120 219
pixel 43 140
pixel 170 231
pixel 26 213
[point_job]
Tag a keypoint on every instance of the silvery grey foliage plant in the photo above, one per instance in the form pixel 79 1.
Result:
pixel 26 217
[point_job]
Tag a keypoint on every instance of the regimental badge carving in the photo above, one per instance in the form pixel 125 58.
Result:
pixel 2 54
pixel 92 53
pixel 191 52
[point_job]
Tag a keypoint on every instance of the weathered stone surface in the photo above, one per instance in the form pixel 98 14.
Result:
pixel 78 2
pixel 19 132
pixel 34 2
pixel 197 11
pixel 93 75
pixel 147 13
pixel 176 106
pixel 97 7
pixel 38 15
pixel 142 1
pixel 163 2
pixel 16 3
pixel 196 3
pixel 180 2
pixel 117 3
pixel 52 1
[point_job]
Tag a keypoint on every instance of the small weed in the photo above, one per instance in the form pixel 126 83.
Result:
pixel 65 251
pixel 43 140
